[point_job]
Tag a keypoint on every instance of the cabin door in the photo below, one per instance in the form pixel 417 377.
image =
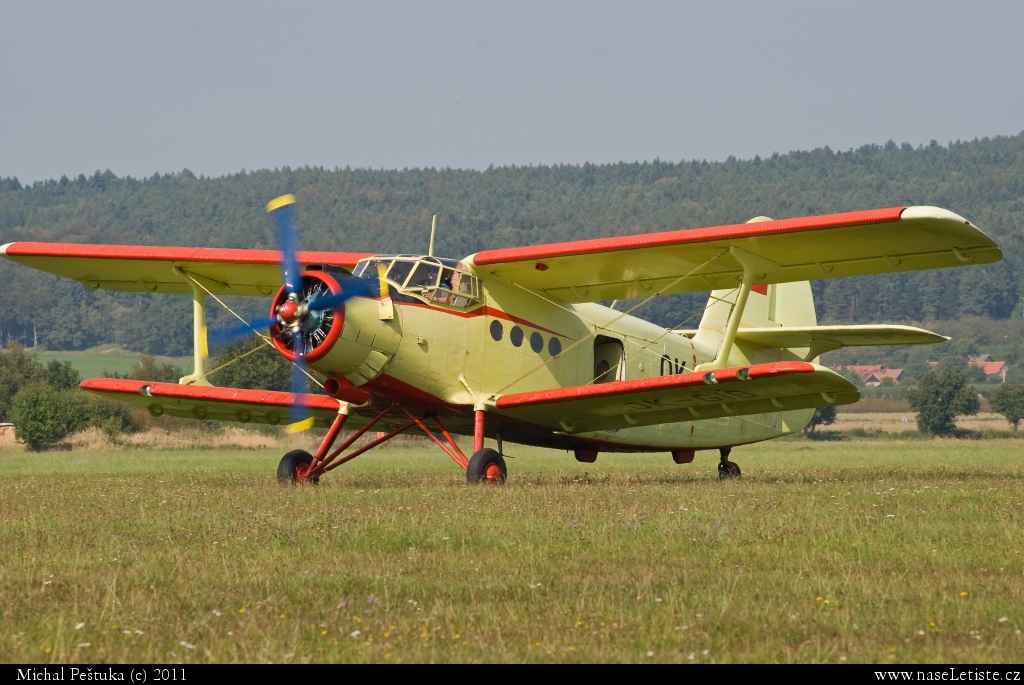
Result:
pixel 609 360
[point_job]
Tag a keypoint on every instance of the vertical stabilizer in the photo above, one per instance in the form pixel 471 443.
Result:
pixel 768 306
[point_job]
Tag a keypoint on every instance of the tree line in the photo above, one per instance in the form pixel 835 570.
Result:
pixel 367 210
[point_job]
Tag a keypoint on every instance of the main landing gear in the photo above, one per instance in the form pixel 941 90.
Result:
pixel 726 468
pixel 486 466
pixel 294 468
pixel 299 466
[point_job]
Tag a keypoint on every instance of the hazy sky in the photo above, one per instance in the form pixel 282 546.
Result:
pixel 139 87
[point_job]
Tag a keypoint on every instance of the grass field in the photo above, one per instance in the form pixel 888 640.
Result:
pixel 94 362
pixel 863 551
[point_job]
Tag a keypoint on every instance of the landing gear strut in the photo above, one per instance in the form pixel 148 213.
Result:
pixel 486 465
pixel 726 468
pixel 299 466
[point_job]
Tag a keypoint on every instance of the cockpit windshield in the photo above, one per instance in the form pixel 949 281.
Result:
pixel 444 282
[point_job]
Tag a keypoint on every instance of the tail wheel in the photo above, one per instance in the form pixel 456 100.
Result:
pixel 486 466
pixel 728 469
pixel 294 466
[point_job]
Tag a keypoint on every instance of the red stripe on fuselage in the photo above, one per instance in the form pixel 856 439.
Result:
pixel 484 311
pixel 394 389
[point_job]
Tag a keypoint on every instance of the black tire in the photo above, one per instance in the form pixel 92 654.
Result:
pixel 728 469
pixel 486 466
pixel 286 469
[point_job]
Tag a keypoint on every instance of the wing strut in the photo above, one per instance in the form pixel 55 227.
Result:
pixel 754 268
pixel 200 346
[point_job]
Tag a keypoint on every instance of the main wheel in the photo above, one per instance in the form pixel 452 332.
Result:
pixel 293 467
pixel 486 466
pixel 728 469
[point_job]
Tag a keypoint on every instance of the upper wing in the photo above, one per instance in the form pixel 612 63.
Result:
pixel 760 388
pixel 830 246
pixel 153 269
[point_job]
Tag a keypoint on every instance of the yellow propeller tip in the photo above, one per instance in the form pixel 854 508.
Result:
pixel 299 426
pixel 279 202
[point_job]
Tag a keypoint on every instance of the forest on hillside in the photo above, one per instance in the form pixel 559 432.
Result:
pixel 369 210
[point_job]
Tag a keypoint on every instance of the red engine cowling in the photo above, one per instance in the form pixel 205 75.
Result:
pixel 320 329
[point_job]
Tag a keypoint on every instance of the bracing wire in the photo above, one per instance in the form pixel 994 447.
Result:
pixel 606 326
pixel 264 338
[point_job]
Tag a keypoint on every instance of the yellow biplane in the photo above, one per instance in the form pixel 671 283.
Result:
pixel 511 345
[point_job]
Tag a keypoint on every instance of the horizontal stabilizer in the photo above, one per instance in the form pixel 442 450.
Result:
pixel 757 389
pixel 827 338
pixel 221 404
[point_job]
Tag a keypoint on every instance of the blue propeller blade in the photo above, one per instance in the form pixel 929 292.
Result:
pixel 350 287
pixel 282 210
pixel 296 413
pixel 241 331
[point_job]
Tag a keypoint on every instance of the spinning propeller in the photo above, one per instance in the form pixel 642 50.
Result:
pixel 308 312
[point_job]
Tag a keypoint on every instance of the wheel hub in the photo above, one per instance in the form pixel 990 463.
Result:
pixel 492 474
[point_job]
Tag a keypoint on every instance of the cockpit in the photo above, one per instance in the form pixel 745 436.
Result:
pixel 414 278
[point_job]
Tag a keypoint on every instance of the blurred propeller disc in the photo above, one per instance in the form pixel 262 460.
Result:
pixel 308 310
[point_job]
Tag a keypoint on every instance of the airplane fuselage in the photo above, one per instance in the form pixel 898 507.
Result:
pixel 451 359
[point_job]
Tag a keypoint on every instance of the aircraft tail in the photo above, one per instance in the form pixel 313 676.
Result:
pixel 784 305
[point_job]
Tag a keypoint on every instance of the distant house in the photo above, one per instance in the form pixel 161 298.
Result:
pixel 990 368
pixel 874 374
pixel 875 378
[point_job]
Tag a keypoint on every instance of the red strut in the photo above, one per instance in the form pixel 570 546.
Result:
pixel 478 431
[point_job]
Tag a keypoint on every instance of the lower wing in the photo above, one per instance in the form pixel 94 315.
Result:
pixel 756 389
pixel 221 404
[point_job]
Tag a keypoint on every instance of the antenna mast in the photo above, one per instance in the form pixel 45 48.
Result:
pixel 433 227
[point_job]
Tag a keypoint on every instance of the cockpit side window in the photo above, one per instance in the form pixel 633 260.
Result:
pixel 399 271
pixel 368 268
pixel 424 277
pixel 443 282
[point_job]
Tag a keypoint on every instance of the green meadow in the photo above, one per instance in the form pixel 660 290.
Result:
pixel 106 359
pixel 856 551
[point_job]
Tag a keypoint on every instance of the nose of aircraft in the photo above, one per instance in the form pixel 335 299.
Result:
pixel 288 312
pixel 339 340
